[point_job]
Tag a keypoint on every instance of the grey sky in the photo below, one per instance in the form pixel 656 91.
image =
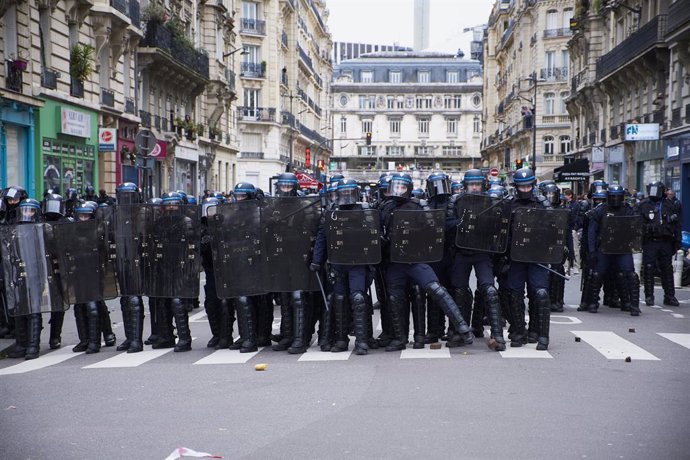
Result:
pixel 389 21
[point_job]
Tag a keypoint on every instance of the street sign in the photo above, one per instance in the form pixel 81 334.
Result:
pixel 145 141
pixel 494 172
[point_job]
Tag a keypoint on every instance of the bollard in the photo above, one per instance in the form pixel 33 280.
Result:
pixel 678 268
pixel 637 263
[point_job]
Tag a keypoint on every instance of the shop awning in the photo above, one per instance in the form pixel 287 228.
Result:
pixel 306 181
pixel 576 171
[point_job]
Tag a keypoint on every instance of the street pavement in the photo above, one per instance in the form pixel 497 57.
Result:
pixel 581 399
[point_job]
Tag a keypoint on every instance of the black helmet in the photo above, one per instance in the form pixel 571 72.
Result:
pixel 286 185
pixel 71 194
pixel 597 190
pixel 89 191
pixel 438 183
pixel 348 192
pixel 455 187
pixel 244 191
pixel 85 210
pixel 127 193
pixel 12 196
pixel 400 185
pixel 53 206
pixel 335 178
pixel 209 206
pixel 172 199
pixel 29 211
pixel 474 176
pixel 616 196
pixel 155 201
pixel 552 193
pixel 183 194
pixel 497 191
pixel 191 200
pixel 522 177
pixel 656 190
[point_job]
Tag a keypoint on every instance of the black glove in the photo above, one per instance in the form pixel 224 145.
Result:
pixel 314 267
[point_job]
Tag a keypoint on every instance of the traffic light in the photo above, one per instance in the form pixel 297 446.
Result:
pixel 368 138
pixel 307 157
pixel 518 163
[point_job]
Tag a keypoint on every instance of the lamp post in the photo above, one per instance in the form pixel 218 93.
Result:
pixel 290 95
pixel 533 80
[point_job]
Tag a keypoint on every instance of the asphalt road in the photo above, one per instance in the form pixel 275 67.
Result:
pixel 581 399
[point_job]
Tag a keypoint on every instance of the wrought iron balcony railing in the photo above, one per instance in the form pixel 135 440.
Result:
pixel 159 36
pixel 252 69
pixel 49 78
pixel 129 105
pixel 107 97
pixel 554 73
pixel 76 88
pixel 14 80
pixel 256 113
pixel 253 26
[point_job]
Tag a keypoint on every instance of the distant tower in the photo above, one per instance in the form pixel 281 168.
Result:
pixel 421 24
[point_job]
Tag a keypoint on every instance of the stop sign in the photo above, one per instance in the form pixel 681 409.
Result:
pixel 494 172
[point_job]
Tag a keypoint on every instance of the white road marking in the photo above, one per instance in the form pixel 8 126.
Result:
pixel 680 339
pixel 667 310
pixel 425 353
pixel 567 319
pixel 228 357
pixel 49 359
pixel 315 354
pixel 677 315
pixel 525 351
pixel 125 359
pixel 198 317
pixel 613 346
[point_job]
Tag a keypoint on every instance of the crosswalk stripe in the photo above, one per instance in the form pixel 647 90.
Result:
pixel 198 317
pixel 425 353
pixel 677 315
pixel 125 359
pixel 315 354
pixel 680 339
pixel 228 357
pixel 613 346
pixel 49 359
pixel 525 351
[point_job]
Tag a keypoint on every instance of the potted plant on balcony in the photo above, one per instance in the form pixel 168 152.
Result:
pixel 81 62
pixel 213 131
pixel 200 129
pixel 153 13
pixel 18 63
pixel 263 68
pixel 179 125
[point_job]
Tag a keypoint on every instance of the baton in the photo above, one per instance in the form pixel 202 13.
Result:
pixel 492 206
pixel 567 278
pixel 323 293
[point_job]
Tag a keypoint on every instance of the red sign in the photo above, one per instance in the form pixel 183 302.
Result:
pixel 494 172
pixel 160 151
pixel 306 181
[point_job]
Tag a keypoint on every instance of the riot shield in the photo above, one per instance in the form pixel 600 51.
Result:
pixel 484 223
pixel 539 235
pixel 238 266
pixel 417 236
pixel 106 249
pixel 31 284
pixel 129 247
pixel 353 237
pixel 289 226
pixel 174 248
pixel 620 234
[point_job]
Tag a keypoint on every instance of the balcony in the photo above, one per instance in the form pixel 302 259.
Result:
pixel 107 98
pixel 252 70
pixel 675 118
pixel 614 132
pixel 555 119
pixel 49 78
pixel 14 79
pixel 577 81
pixel 554 74
pixel 632 47
pixel 287 118
pixel 678 14
pixel 260 114
pixel 252 26
pixel 252 155
pixel 306 59
pixel 129 105
pixel 120 5
pixel 145 118
pixel 76 88
pixel 554 33
pixel 312 134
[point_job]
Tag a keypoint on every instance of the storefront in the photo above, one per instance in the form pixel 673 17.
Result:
pixel 576 172
pixel 186 169
pixel 68 139
pixel 17 145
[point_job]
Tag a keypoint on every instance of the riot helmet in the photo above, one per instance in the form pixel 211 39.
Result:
pixel 497 191
pixel 71 194
pixel 127 193
pixel 191 200
pixel 90 193
pixel 155 201
pixel 400 185
pixel 53 206
pixel 183 194
pixel 474 181
pixel 382 186
pixel 286 185
pixel 438 183
pixel 656 190
pixel 171 200
pixel 85 211
pixel 244 191
pixel 524 181
pixel 597 189
pixel 418 193
pixel 552 193
pixel 28 211
pixel 12 197
pixel 456 187
pixel 335 178
pixel 347 192
pixel 543 184
pixel 616 196
pixel 209 206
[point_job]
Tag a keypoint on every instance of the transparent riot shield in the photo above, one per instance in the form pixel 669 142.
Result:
pixel 238 266
pixel 174 252
pixel 620 234
pixel 129 247
pixel 539 235
pixel 289 226
pixel 417 236
pixel 353 237
pixel 31 284
pixel 484 223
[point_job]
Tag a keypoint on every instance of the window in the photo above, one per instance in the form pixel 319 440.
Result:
pixel 343 125
pixel 395 126
pixel 253 55
pixel 452 126
pixel 395 76
pixel 422 76
pixel 422 150
pixel 369 150
pixel 551 20
pixel 452 150
pixel 390 102
pixel 44 24
pixel 549 100
pixel 400 103
pixel 567 15
pixel 423 124
pixel 395 150
pixel 367 76
pixel 476 100
pixel 565 145
pixel 564 97
pixel 249 10
pixel 550 61
pixel 424 102
pixel 452 76
pixel 548 145
pixel 452 102
pixel 476 125
pixel 251 103
pixel 366 126
pixel 367 102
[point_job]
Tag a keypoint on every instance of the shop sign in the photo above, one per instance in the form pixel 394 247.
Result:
pixel 642 132
pixel 106 139
pixel 75 123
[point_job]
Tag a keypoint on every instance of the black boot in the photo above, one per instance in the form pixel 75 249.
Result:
pixel 543 307
pixel 439 295
pixel 557 289
pixel 184 335
pixel 517 313
pixel 153 318
pixel 387 333
pixel 493 308
pixel 164 314
pixel 136 343
pixel 225 323
pixel 668 285
pixel 126 322
pixel 33 347
pixel 82 320
pixel 21 337
pixel 213 313
pixel 648 276
pixel 595 282
pixel 418 301
pixel 360 313
pixel 633 288
pixel 340 324
pixel 300 343
pixel 434 323
pixel 56 320
pixel 584 299
pixel 462 298
pixel 106 324
pixel 5 329
pixel 264 320
pixel 286 325
pixel 533 325
pixel 396 306
pixel 478 314
pixel 621 282
pixel 94 328
pixel 245 323
pixel 326 327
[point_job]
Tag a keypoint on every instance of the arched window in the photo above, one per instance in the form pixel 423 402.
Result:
pixel 565 145
pixel 548 145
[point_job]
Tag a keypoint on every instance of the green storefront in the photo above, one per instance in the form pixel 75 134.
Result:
pixel 67 147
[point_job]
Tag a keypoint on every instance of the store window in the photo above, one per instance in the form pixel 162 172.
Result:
pixel 68 165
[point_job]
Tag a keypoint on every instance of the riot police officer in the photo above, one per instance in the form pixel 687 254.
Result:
pixel 596 197
pixel 53 211
pixel 661 239
pixel 220 336
pixel 557 283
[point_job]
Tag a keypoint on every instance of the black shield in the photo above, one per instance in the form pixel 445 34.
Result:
pixel 620 234
pixel 238 265
pixel 417 236
pixel 106 234
pixel 129 246
pixel 289 226
pixel 539 235
pixel 353 237
pixel 174 248
pixel 31 284
pixel 484 223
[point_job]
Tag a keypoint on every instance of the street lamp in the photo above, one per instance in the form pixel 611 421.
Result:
pixel 243 52
pixel 533 80
pixel 289 94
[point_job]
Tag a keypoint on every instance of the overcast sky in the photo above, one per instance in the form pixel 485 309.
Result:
pixel 386 22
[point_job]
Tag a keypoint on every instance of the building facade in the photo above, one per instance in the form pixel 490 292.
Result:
pixel 526 85
pixel 343 51
pixel 422 109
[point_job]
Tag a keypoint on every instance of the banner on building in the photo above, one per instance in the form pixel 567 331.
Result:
pixel 642 132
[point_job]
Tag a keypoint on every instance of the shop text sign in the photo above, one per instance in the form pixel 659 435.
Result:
pixel 642 132
pixel 75 123
pixel 106 139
